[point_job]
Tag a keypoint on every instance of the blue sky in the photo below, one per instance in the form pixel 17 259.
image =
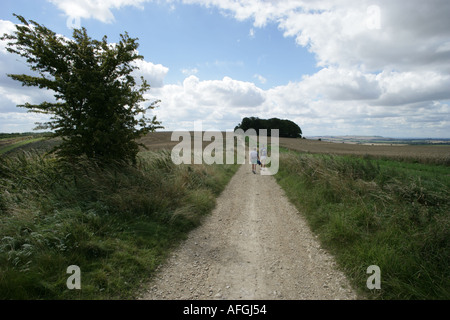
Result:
pixel 334 67
pixel 190 37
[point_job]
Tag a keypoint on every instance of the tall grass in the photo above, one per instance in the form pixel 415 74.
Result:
pixel 117 223
pixel 377 212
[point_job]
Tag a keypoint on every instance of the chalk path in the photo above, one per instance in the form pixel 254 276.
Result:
pixel 254 245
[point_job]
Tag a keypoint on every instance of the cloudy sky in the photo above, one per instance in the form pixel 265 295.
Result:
pixel 341 67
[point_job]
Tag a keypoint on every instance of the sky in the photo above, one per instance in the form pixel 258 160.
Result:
pixel 345 67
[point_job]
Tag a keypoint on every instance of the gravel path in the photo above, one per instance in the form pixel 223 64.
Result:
pixel 254 245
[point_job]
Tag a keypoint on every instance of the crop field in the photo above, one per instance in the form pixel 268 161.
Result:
pixel 11 143
pixel 162 140
pixel 158 140
pixel 439 154
pixel 428 153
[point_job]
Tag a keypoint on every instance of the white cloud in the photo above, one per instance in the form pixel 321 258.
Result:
pixel 216 102
pixel 310 103
pixel 385 67
pixel 260 78
pixel 402 88
pixel 97 9
pixel 20 122
pixel 189 72
pixel 409 34
pixel 385 64
pixel 153 73
pixel 342 84
pixel 373 34
pixel 13 93
pixel 5 27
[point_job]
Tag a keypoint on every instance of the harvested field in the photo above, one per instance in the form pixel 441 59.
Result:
pixel 439 154
pixel 158 140
pixel 162 140
pixel 421 153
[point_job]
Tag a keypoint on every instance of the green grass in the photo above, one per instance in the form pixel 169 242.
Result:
pixel 377 212
pixel 117 223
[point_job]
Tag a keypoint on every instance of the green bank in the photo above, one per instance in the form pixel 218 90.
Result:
pixel 391 214
pixel 117 223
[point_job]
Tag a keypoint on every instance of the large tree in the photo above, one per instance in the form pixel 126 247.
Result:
pixel 98 110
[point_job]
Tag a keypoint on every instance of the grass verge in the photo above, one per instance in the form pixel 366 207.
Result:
pixel 116 223
pixel 377 212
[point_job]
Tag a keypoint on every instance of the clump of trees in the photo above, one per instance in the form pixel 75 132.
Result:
pixel 98 111
pixel 287 128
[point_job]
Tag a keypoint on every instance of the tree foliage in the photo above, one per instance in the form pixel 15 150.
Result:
pixel 287 128
pixel 98 110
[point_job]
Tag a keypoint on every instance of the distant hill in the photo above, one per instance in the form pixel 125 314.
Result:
pixel 381 140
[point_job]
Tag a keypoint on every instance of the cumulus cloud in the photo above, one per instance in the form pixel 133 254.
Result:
pixel 342 84
pixel 12 118
pixel 400 88
pixel 216 102
pixel 372 33
pixel 385 66
pixel 153 73
pixel 14 94
pixel 375 34
pixel 381 61
pixel 333 101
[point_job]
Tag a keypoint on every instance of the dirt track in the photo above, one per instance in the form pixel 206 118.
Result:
pixel 254 245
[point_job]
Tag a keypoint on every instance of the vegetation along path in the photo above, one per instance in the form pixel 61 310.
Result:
pixel 254 245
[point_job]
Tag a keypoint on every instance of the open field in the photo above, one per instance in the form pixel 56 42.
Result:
pixel 162 140
pixel 419 153
pixel 158 140
pixel 10 143
pixel 374 140
pixel 430 153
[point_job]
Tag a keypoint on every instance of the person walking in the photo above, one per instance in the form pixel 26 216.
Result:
pixel 263 153
pixel 254 159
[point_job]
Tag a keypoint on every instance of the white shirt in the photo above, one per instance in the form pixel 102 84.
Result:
pixel 263 152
